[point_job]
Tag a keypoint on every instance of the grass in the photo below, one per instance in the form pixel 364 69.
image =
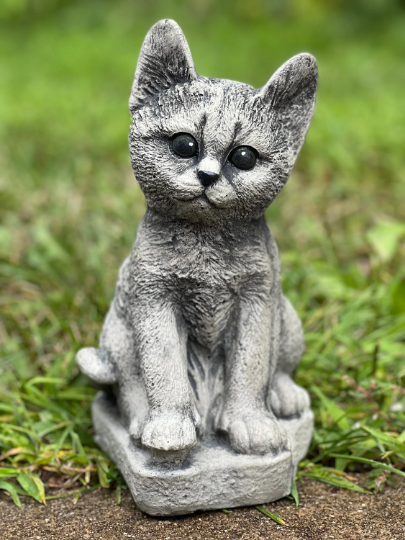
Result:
pixel 69 208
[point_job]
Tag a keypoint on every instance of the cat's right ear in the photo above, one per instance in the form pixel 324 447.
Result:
pixel 165 60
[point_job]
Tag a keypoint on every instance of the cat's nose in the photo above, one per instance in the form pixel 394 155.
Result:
pixel 207 177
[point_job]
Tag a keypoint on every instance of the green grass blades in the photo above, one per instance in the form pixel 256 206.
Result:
pixel 32 485
pixel 6 472
pixel 118 493
pixel 14 491
pixel 294 493
pixel 48 433
pixel 102 470
pixel 332 477
pixel 371 463
pixel 337 414
pixel 269 514
pixel 69 209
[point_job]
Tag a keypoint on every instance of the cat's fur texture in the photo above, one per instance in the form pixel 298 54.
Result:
pixel 200 339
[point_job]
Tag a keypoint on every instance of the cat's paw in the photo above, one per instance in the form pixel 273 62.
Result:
pixel 254 432
pixel 170 436
pixel 287 399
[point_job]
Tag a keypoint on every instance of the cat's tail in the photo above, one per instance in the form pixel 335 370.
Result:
pixel 95 365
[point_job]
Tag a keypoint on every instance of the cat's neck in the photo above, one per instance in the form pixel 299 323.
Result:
pixel 156 220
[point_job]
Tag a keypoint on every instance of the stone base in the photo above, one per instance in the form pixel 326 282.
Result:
pixel 212 477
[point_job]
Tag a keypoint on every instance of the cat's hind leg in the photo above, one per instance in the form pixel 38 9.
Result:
pixel 114 365
pixel 288 399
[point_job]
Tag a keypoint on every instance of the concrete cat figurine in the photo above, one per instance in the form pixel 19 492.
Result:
pixel 200 340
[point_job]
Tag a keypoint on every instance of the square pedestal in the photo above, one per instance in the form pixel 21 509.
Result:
pixel 212 477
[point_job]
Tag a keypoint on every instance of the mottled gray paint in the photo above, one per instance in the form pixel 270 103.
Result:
pixel 200 343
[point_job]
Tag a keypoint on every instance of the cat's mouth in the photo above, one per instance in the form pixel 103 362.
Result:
pixel 202 197
pixel 201 201
pixel 207 200
pixel 217 196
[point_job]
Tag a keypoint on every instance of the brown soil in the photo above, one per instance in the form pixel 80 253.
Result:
pixel 324 512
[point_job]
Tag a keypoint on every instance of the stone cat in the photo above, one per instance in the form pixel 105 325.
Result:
pixel 200 339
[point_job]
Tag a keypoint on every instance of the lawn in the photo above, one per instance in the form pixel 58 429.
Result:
pixel 69 209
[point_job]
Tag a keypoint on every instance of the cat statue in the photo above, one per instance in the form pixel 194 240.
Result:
pixel 198 348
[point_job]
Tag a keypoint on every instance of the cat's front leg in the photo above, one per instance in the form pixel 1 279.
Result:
pixel 160 337
pixel 250 364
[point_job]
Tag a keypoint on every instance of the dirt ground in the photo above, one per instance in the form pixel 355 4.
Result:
pixel 324 512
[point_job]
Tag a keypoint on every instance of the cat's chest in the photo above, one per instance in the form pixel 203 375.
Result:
pixel 210 292
pixel 208 278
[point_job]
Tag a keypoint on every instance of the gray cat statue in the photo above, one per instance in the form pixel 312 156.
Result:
pixel 197 405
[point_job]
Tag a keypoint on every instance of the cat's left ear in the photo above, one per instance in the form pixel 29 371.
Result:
pixel 165 60
pixel 290 95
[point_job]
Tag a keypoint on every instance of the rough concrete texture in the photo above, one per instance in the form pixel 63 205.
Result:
pixel 212 476
pixel 324 513
pixel 200 343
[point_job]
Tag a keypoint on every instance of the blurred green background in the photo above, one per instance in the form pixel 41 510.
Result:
pixel 69 205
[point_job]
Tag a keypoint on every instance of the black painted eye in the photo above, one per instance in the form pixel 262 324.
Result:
pixel 184 145
pixel 243 157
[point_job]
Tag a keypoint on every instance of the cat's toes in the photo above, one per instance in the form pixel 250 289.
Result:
pixel 256 433
pixel 169 436
pixel 287 399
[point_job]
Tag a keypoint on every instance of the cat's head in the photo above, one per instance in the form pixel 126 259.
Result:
pixel 212 150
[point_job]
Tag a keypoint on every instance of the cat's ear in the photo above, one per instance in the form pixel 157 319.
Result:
pixel 165 60
pixel 290 95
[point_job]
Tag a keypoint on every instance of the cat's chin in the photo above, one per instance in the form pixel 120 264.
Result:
pixel 199 210
pixel 206 201
pixel 218 202
pixel 221 194
pixel 196 204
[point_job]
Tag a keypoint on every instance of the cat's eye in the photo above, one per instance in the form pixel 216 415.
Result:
pixel 243 157
pixel 184 145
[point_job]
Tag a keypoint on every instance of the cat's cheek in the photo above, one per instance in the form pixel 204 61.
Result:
pixel 181 185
